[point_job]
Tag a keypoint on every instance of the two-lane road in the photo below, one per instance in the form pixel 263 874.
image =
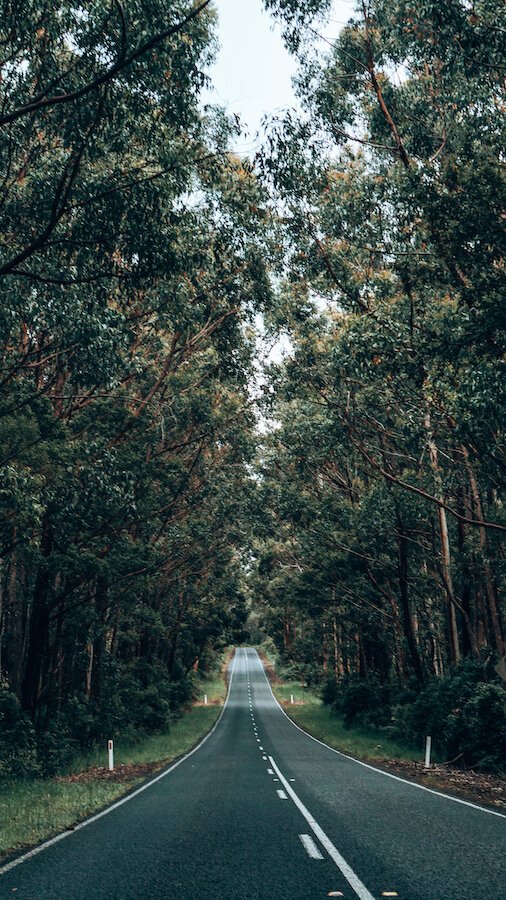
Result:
pixel 261 810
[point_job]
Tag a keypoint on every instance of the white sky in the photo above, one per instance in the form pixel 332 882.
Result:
pixel 252 75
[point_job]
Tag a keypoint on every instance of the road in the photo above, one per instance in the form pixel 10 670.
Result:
pixel 261 810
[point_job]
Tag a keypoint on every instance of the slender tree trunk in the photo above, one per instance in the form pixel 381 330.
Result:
pixel 407 620
pixel 490 589
pixel 400 656
pixel 338 656
pixel 445 546
pixel 38 640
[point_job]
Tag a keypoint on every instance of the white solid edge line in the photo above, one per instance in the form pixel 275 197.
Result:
pixel 413 784
pixel 64 834
pixel 353 880
pixel 310 846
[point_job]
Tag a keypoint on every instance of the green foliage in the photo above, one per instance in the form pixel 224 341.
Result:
pixel 18 746
pixel 361 700
pixel 465 715
pixel 379 559
pixel 132 267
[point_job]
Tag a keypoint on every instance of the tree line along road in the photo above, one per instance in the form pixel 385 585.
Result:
pixel 262 810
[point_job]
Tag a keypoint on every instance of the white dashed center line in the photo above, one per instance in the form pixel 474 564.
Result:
pixel 353 880
pixel 310 846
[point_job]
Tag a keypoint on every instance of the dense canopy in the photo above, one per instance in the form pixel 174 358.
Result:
pixel 150 501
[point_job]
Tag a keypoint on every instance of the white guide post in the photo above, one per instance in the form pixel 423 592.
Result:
pixel 428 741
pixel 110 747
pixel 291 699
pixel 205 699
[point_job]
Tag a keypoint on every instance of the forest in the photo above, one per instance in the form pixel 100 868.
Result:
pixel 164 493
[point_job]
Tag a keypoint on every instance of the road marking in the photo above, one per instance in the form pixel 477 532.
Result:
pixel 413 784
pixel 281 794
pixel 310 846
pixel 65 834
pixel 261 748
pixel 269 771
pixel 352 879
pixel 258 740
pixel 264 757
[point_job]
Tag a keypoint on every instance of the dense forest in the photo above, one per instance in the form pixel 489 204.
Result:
pixel 157 488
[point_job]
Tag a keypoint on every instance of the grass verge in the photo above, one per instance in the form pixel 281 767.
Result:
pixel 322 723
pixel 32 810
pixel 311 714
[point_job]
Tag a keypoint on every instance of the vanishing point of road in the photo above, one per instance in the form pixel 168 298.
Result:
pixel 261 810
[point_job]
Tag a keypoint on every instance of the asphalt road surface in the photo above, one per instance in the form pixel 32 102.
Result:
pixel 261 810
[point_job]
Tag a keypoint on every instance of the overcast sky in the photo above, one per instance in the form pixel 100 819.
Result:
pixel 252 75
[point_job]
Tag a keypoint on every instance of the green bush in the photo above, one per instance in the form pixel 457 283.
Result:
pixel 465 715
pixel 18 746
pixel 55 749
pixel 362 701
pixel 330 690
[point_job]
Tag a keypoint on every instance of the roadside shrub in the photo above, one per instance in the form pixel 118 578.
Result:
pixel 330 690
pixel 465 715
pixel 18 748
pixel 484 727
pixel 55 749
pixel 362 701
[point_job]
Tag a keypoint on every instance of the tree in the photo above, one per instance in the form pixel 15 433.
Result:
pixel 133 263
pixel 389 410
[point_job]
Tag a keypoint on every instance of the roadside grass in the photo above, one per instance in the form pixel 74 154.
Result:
pixel 285 690
pixel 32 810
pixel 311 714
pixel 363 743
pixel 185 732
pixel 215 689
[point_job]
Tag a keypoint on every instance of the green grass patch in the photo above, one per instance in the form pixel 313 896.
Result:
pixel 285 690
pixel 34 810
pixel 319 720
pixel 322 723
pixel 215 688
pixel 185 732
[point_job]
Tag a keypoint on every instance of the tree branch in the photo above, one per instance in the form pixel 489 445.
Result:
pixel 121 63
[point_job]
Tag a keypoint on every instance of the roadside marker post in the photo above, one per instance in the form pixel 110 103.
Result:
pixel 205 699
pixel 110 747
pixel 291 699
pixel 428 741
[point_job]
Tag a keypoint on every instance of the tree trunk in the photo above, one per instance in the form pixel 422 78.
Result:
pixel 490 589
pixel 407 621
pixel 38 640
pixel 445 546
